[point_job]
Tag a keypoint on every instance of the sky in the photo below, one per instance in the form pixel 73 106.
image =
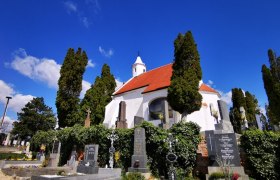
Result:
pixel 232 38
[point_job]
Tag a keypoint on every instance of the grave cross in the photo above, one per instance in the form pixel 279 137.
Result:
pixel 88 113
pixel 112 138
pixel 170 140
pixel 171 156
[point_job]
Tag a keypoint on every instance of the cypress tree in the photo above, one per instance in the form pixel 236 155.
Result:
pixel 183 95
pixel 251 109
pixel 99 95
pixel 109 81
pixel 70 86
pixel 238 100
pixel 271 80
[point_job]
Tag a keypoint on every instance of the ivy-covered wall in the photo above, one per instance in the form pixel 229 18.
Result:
pixel 262 150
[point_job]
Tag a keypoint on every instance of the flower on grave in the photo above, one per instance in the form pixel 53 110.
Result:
pixel 117 155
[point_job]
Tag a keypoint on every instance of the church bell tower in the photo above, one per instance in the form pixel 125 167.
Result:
pixel 138 67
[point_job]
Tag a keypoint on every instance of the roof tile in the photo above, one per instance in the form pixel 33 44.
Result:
pixel 153 80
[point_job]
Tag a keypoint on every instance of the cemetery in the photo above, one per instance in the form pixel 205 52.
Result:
pixel 165 123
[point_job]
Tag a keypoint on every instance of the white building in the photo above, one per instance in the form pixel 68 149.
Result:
pixel 145 96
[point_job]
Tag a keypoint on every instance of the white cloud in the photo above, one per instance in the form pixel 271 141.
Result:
pixel 226 97
pixel 7 124
pixel 262 110
pixel 70 6
pixel 85 21
pixel 73 8
pixel 85 86
pixel 44 70
pixel 17 102
pixel 90 64
pixel 210 83
pixel 105 53
pixel 119 83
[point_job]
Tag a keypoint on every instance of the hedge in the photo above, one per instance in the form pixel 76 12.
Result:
pixel 262 150
pixel 157 149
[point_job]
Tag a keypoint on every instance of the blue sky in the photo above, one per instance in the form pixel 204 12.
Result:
pixel 232 38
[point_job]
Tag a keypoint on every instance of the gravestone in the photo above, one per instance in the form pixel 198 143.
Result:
pixel 27 147
pixel 87 121
pixel 139 158
pixel 54 156
pixel 72 162
pixel 121 120
pixel 89 165
pixel 225 125
pixel 222 145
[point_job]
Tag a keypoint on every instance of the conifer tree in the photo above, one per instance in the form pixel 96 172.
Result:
pixel 251 109
pixel 238 100
pixel 250 105
pixel 34 116
pixel 183 95
pixel 271 80
pixel 70 86
pixel 99 95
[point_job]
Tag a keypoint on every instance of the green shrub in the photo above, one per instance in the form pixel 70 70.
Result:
pixel 133 176
pixel 262 153
pixel 9 156
pixel 186 133
pixel 216 175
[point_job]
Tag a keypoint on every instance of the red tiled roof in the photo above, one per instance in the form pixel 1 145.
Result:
pixel 206 88
pixel 153 80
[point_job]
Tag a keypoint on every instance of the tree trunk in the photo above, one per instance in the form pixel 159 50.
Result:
pixel 184 116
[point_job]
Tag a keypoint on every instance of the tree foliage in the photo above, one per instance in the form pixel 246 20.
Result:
pixel 262 150
pixel 251 108
pixel 34 116
pixel 43 137
pixel 250 105
pixel 238 101
pixel 70 86
pixel 99 95
pixel 183 95
pixel 271 80
pixel 157 149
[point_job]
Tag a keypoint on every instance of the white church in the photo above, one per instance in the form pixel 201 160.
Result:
pixel 145 96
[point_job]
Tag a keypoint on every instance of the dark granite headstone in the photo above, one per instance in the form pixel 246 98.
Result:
pixel 139 158
pixel 89 164
pixel 223 108
pixel 222 146
pixel 225 125
pixel 121 121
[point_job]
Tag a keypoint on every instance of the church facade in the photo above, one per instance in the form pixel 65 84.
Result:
pixel 144 95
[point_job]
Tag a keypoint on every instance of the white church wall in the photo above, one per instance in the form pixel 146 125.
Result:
pixel 137 104
pixel 203 117
pixel 133 100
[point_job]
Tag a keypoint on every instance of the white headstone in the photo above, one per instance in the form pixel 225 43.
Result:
pixel 27 147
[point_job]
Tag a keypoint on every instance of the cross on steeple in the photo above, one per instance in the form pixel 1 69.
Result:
pixel 138 53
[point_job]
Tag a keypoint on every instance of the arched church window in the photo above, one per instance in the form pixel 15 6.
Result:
pixel 135 69
pixel 159 109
